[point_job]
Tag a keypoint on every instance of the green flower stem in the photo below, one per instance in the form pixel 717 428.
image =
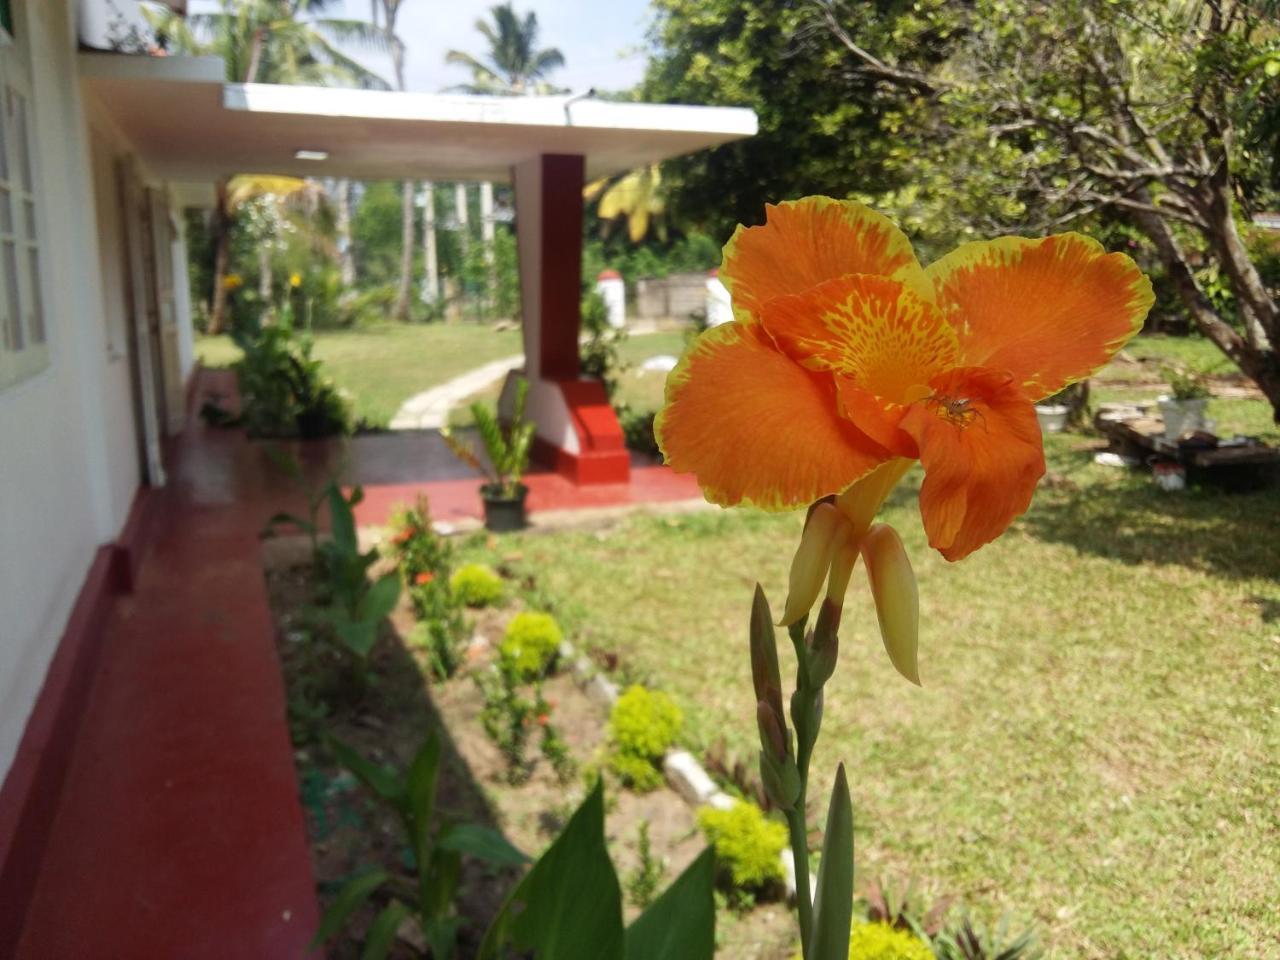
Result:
pixel 806 718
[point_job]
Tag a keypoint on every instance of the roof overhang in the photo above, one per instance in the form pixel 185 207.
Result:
pixel 188 126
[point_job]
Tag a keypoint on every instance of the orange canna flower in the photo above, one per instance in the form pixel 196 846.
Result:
pixel 424 578
pixel 543 719
pixel 847 361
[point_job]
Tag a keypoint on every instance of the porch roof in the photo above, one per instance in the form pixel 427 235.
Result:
pixel 189 125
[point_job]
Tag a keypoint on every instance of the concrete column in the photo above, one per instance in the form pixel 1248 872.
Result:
pixel 577 430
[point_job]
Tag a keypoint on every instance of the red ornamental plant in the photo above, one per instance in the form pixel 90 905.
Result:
pixel 846 363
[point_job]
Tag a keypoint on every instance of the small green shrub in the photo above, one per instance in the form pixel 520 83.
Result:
pixel 476 585
pixel 748 845
pixel 642 726
pixel 644 723
pixel 879 941
pixel 530 643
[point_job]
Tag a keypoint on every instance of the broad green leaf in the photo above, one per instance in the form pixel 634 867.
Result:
pixel 442 936
pixel 342 522
pixel 349 899
pixel 382 932
pixel 420 799
pixel 383 781
pixel 569 906
pixel 358 635
pixel 680 924
pixel 833 904
pixel 381 598
pixel 481 843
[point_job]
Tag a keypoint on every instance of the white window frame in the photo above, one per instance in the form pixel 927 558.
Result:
pixel 24 339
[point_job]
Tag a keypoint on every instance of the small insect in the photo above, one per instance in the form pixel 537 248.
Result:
pixel 955 410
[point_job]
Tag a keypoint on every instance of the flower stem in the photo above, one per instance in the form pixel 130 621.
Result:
pixel 805 716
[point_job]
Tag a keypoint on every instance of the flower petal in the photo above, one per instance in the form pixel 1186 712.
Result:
pixel 756 427
pixel 870 329
pixel 1049 311
pixel 804 242
pixel 980 447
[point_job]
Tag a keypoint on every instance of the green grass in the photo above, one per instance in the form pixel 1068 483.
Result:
pixel 383 366
pixel 1096 748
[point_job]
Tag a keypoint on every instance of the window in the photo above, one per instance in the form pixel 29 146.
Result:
pixel 23 334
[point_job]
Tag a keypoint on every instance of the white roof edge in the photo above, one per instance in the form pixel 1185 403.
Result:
pixel 557 111
pixel 173 69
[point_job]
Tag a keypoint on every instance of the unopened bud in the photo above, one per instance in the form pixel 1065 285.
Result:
pixel 824 647
pixel 812 560
pixel 893 584
pixel 765 675
pixel 772 739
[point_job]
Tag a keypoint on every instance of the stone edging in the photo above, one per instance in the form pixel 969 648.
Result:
pixel 683 771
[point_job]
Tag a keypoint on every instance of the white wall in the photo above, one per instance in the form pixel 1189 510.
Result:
pixel 67 456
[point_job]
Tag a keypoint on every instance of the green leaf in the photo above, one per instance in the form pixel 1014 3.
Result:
pixel 680 924
pixel 349 899
pixel 382 932
pixel 358 635
pixel 383 781
pixel 381 598
pixel 342 522
pixel 833 904
pixel 442 936
pixel 569 906
pixel 481 843
pixel 421 795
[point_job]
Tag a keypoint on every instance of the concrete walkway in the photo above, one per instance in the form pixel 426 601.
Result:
pixel 429 410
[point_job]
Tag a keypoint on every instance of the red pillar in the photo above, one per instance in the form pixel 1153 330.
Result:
pixel 577 430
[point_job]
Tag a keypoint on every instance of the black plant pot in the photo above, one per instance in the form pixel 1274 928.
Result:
pixel 503 514
pixel 313 424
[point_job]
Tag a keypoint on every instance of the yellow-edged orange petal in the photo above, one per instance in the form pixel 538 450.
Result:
pixel 870 329
pixel 755 427
pixel 804 242
pixel 1049 311
pixel 980 447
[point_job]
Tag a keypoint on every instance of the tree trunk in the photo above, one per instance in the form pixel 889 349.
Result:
pixel 346 253
pixel 221 230
pixel 431 261
pixel 1260 366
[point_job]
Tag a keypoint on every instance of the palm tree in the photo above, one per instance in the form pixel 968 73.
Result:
pixel 387 11
pixel 514 64
pixel 267 41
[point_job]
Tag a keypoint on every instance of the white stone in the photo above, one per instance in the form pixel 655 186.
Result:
pixel 603 689
pixel 663 363
pixel 687 777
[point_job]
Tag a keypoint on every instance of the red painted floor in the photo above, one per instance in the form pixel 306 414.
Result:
pixel 180 833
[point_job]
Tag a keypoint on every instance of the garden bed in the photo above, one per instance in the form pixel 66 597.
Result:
pixel 386 722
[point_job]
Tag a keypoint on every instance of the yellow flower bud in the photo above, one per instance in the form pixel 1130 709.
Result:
pixel 812 561
pixel 893 584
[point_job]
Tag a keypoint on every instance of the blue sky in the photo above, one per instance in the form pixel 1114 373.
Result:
pixel 601 40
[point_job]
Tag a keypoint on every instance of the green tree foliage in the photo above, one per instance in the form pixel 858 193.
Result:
pixel 513 64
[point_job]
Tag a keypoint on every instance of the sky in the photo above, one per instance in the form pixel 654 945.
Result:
pixel 601 40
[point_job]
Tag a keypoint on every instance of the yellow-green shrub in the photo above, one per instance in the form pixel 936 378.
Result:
pixel 476 585
pixel 879 941
pixel 530 643
pixel 748 844
pixel 642 727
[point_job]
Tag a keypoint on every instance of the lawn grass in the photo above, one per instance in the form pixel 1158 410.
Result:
pixel 384 365
pixel 1096 748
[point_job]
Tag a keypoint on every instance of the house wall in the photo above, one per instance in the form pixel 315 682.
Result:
pixel 69 463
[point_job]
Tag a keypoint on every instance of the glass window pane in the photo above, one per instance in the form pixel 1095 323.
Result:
pixel 6 212
pixel 30 207
pixel 14 339
pixel 37 300
pixel 4 139
pixel 22 138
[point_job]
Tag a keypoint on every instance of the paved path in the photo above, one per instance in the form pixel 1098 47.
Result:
pixel 429 410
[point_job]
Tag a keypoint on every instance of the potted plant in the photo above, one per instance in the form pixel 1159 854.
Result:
pixel 1183 408
pixel 507 451
pixel 1068 406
